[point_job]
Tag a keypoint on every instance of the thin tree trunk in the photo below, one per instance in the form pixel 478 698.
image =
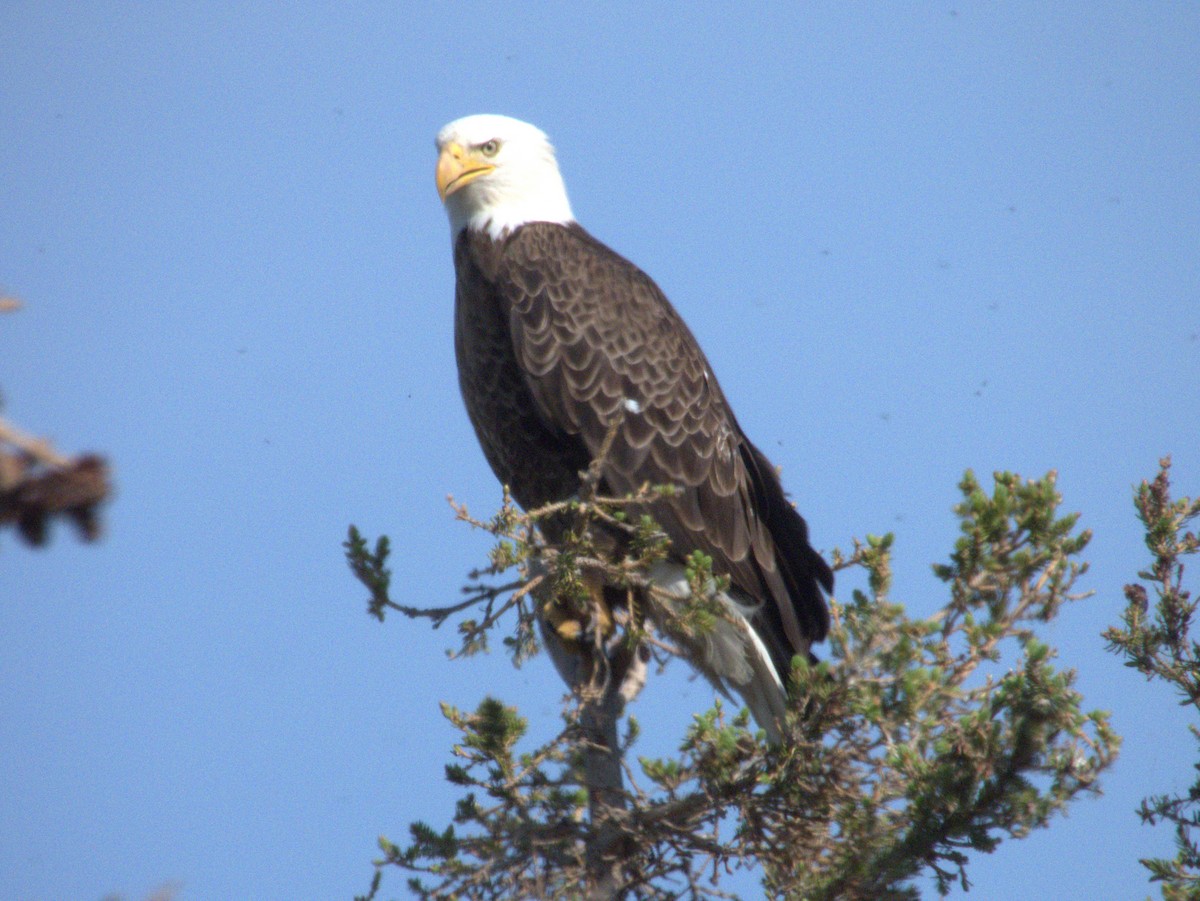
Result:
pixel 617 677
pixel 606 796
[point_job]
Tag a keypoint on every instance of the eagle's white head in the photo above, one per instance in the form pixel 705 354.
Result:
pixel 495 173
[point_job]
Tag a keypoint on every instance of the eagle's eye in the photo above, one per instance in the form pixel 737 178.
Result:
pixel 491 148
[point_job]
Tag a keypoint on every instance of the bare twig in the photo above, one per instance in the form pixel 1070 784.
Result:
pixel 38 449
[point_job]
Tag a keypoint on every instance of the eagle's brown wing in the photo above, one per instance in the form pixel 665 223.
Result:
pixel 596 340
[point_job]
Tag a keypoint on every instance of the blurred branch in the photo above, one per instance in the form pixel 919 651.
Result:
pixel 38 483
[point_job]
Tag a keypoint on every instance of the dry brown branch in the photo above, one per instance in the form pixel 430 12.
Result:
pixel 37 483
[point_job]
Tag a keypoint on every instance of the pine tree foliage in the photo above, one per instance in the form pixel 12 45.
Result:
pixel 1157 643
pixel 916 742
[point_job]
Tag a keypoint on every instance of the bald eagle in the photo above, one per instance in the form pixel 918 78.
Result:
pixel 557 337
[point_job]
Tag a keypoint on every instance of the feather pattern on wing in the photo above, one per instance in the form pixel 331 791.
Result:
pixel 555 335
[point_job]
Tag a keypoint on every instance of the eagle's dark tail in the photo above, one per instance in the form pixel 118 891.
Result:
pixel 804 571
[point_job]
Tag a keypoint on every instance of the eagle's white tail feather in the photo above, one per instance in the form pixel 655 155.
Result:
pixel 730 654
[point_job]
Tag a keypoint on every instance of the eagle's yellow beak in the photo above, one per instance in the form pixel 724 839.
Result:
pixel 457 167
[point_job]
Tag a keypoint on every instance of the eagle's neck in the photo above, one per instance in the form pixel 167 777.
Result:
pixel 500 206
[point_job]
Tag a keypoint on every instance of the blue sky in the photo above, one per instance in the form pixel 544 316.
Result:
pixel 911 238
